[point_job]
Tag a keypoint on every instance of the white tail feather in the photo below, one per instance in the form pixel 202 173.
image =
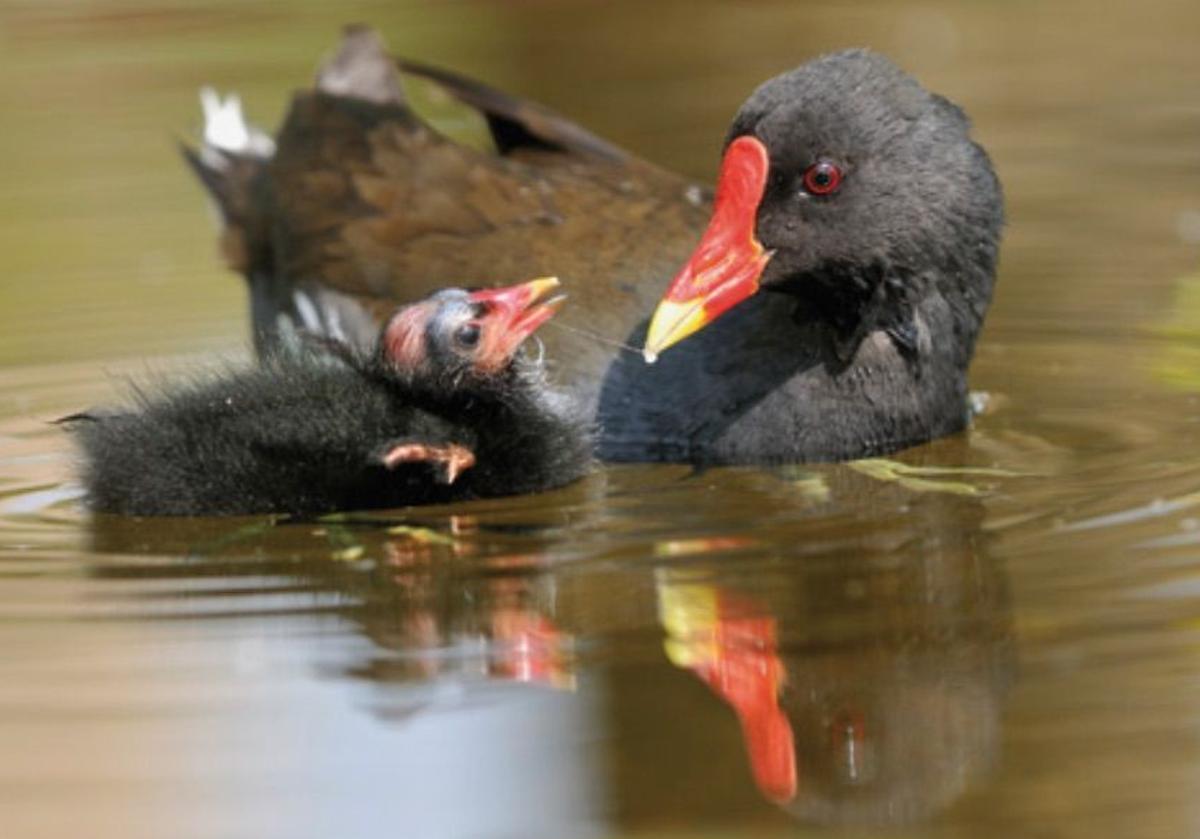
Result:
pixel 226 129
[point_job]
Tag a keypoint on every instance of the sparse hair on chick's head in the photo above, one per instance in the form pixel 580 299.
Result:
pixel 457 332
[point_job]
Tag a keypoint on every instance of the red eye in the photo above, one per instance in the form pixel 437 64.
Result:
pixel 822 178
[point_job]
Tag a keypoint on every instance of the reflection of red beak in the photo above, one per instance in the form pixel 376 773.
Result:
pixel 748 674
pixel 530 648
pixel 510 316
pixel 730 642
pixel 725 267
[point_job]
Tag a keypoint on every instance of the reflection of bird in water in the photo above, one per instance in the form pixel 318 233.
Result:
pixel 868 688
pixel 499 621
pixel 733 648
pixel 866 664
pixel 438 603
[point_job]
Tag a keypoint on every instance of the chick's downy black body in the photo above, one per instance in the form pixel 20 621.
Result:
pixel 310 434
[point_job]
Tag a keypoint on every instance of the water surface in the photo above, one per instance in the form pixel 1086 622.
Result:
pixel 1012 650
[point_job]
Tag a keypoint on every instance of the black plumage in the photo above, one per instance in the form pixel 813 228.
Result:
pixel 872 288
pixel 419 420
pixel 840 305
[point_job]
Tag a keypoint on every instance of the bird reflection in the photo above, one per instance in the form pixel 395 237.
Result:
pixel 868 687
pixel 730 643
pixel 438 601
pixel 853 632
pixel 498 622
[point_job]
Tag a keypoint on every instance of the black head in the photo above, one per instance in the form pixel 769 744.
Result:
pixel 842 181
pixel 458 335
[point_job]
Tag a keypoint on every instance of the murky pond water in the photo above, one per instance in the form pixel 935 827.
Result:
pixel 1011 649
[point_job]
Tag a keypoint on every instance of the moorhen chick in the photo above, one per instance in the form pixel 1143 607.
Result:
pixel 442 409
pixel 849 191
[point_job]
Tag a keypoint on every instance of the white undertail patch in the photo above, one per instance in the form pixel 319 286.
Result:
pixel 226 129
pixel 310 318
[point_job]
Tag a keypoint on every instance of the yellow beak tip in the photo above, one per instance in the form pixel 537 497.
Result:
pixel 671 323
pixel 542 284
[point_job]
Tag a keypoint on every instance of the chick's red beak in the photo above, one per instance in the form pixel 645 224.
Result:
pixel 725 267
pixel 510 315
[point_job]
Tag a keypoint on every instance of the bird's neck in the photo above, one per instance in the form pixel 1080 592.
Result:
pixel 846 303
pixel 842 303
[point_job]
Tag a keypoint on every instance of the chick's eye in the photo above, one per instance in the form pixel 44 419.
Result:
pixel 467 335
pixel 822 178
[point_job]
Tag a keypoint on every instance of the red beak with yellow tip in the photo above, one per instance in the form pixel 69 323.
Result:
pixel 725 267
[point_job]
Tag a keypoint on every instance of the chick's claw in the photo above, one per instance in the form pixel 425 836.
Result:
pixel 451 460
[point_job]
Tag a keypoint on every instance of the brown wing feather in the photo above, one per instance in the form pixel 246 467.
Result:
pixel 364 206
pixel 516 122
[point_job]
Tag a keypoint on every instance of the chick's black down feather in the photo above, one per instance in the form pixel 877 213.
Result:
pixel 307 435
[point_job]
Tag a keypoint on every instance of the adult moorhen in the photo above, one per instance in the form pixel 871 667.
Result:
pixel 441 410
pixel 845 188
